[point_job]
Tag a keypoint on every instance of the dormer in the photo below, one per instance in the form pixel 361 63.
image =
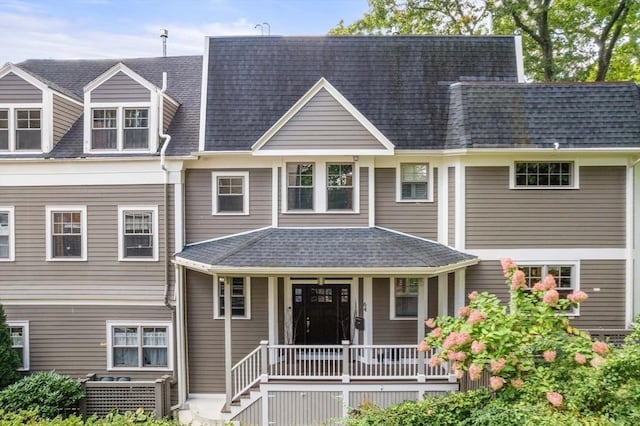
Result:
pixel 124 113
pixel 33 115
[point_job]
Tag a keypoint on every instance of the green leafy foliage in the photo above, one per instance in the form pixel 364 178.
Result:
pixel 32 418
pixel 47 393
pixel 9 359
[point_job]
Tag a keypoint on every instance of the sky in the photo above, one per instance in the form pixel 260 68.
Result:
pixel 71 29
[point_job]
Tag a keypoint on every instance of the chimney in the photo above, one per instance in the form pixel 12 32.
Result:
pixel 164 35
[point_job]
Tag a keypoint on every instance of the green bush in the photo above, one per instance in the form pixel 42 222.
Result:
pixel 47 393
pixel 32 418
pixel 9 359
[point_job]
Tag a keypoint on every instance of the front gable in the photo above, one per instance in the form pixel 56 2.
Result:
pixel 323 122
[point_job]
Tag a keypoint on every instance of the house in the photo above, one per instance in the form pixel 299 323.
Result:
pixel 333 191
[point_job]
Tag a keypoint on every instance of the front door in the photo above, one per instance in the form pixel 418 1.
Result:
pixel 321 314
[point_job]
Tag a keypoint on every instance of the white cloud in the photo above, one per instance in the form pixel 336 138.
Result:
pixel 31 35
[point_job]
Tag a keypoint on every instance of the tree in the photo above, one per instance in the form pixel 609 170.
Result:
pixel 562 39
pixel 9 359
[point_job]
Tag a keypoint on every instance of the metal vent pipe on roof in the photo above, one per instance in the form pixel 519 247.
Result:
pixel 164 35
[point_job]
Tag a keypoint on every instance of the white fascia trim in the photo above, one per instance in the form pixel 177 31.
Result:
pixel 247 298
pixel 324 84
pixel 203 96
pixel 430 185
pixel 558 254
pixel 245 192
pixel 48 229
pixel 170 99
pixel 26 361
pixel 136 323
pixel 12 233
pixel 66 97
pixel 28 77
pixel 156 236
pixel 120 67
pixel 319 152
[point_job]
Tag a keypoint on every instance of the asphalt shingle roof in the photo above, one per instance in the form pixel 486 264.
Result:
pixel 183 85
pixel 399 83
pixel 575 115
pixel 319 248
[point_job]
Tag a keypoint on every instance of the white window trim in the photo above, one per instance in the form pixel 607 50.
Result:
pixel 392 299
pixel 13 126
pixel 139 324
pixel 12 233
pixel 247 299
pixel 49 228
pixel 156 235
pixel 320 188
pixel 575 277
pixel 430 191
pixel 120 107
pixel 26 364
pixel 214 192
pixel 575 183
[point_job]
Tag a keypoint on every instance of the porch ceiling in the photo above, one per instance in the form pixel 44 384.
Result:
pixel 366 250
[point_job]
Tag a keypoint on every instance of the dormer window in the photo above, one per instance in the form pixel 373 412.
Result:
pixel 21 129
pixel 120 129
pixel 4 129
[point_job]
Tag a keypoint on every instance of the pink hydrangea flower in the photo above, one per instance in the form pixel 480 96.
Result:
pixel 476 316
pixel 431 323
pixel 518 280
pixel 423 346
pixel 507 264
pixel 549 282
pixel 580 359
pixel 458 372
pixel 477 347
pixel 577 296
pixel 551 297
pixel 473 295
pixel 497 365
pixel 435 361
pixel 475 371
pixel 462 338
pixel 436 332
pixel 597 361
pixel 555 398
pixel 464 311
pixel 496 382
pixel 459 356
pixel 538 286
pixel 517 383
pixel 549 356
pixel 449 341
pixel 600 348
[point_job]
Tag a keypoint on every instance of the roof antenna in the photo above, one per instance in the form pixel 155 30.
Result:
pixel 261 29
pixel 164 35
pixel 266 24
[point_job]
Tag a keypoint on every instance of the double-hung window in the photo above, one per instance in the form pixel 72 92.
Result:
pixel 566 277
pixel 340 186
pixel 300 193
pixel 240 298
pixel 104 130
pixel 139 346
pixel 544 174
pixel 414 180
pixel 136 128
pixel 404 298
pixel 120 129
pixel 66 233
pixel 230 193
pixel 4 129
pixel 28 132
pixel 19 332
pixel 138 233
pixel 7 234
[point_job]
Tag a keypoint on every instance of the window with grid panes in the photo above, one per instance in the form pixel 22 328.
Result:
pixel 104 129
pixel 300 186
pixel 140 346
pixel 405 297
pixel 19 343
pixel 544 174
pixel 238 298
pixel 136 128
pixel 66 236
pixel 4 130
pixel 414 180
pixel 563 274
pixel 230 193
pixel 340 186
pixel 5 235
pixel 28 133
pixel 138 234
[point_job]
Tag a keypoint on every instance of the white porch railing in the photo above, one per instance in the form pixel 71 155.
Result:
pixel 334 362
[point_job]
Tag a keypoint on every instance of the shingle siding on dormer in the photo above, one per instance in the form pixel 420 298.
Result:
pixel 120 88
pixel 14 89
pixel 65 113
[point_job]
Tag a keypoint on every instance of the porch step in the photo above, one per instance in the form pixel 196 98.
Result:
pixel 204 411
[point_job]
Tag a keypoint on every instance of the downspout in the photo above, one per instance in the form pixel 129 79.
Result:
pixel 163 150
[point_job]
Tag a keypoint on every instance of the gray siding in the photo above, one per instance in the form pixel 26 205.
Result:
pixel 206 336
pixel 452 205
pixel 102 276
pixel 304 408
pixel 420 219
pixel 202 225
pixel 14 89
pixel 592 216
pixel 72 340
pixel 120 88
pixel 604 309
pixel 168 112
pixel 331 219
pixel 386 331
pixel 323 124
pixel 65 113
pixel 251 416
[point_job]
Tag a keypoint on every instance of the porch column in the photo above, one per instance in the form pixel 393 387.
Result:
pixel 228 360
pixel 273 310
pixel 443 294
pixel 367 310
pixel 181 334
pixel 459 290
pixel 422 316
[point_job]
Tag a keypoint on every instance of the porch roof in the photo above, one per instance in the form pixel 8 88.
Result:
pixel 328 250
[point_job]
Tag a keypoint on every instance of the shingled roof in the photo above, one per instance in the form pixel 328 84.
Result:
pixel 574 115
pixel 184 81
pixel 333 248
pixel 399 83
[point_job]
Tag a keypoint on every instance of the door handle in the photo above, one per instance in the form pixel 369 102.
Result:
pixel 308 324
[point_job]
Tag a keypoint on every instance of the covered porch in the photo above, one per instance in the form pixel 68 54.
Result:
pixel 340 305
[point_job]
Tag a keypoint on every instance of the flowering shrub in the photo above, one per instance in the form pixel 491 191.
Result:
pixel 530 347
